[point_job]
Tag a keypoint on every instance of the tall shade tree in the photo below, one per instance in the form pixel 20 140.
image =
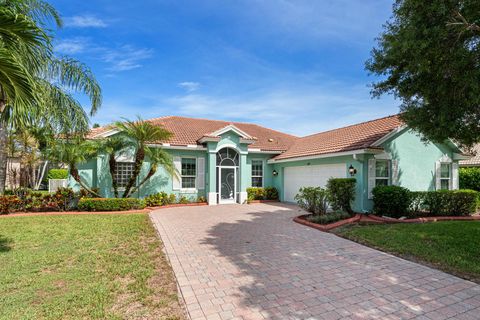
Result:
pixel 428 56
pixel 141 133
pixel 35 85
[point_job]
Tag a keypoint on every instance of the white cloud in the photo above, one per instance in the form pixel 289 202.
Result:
pixel 299 111
pixel 126 58
pixel 71 46
pixel 190 86
pixel 84 21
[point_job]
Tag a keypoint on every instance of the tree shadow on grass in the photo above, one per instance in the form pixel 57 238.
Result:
pixel 5 244
pixel 285 270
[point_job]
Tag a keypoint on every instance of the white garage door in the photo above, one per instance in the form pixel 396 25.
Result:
pixel 309 176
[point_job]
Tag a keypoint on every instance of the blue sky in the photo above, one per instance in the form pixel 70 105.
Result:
pixel 292 65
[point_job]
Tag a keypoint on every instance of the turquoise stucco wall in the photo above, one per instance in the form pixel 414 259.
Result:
pixel 88 173
pixel 278 181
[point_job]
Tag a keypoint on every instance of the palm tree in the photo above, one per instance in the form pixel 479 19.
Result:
pixel 73 152
pixel 141 133
pixel 157 157
pixel 113 146
pixel 34 84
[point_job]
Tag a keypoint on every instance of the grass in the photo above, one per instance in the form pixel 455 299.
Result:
pixel 84 267
pixel 450 246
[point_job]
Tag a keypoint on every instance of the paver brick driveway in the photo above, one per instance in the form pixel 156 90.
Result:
pixel 254 262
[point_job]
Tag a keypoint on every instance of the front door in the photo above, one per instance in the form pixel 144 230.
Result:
pixel 227 183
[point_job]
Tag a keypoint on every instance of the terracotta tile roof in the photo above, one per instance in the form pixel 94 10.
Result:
pixel 474 161
pixel 354 137
pixel 187 131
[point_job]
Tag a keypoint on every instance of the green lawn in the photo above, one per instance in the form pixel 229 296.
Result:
pixel 450 246
pixel 84 267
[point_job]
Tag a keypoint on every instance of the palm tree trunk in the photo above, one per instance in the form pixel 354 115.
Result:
pixel 76 176
pixel 139 157
pixel 150 174
pixel 41 175
pixel 3 146
pixel 112 163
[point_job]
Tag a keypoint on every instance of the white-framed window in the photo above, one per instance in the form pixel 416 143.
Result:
pixel 445 176
pixel 257 173
pixel 189 173
pixel 123 173
pixel 382 173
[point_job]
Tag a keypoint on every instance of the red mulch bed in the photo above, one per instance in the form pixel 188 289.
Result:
pixel 57 213
pixel 364 218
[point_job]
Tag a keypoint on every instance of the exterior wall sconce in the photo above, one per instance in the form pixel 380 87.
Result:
pixel 352 171
pixel 275 173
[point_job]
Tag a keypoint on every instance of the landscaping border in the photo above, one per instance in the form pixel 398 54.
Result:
pixel 262 201
pixel 66 213
pixel 378 220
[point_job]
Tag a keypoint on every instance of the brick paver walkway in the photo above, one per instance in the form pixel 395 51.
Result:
pixel 253 262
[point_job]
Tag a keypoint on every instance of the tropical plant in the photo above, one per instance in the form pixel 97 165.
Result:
pixel 36 86
pixel 73 152
pixel 157 157
pixel 141 133
pixel 428 56
pixel 113 146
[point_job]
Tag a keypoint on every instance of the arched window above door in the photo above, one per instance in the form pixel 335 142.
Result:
pixel 227 157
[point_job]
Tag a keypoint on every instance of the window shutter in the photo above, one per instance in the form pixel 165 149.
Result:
pixel 177 179
pixel 200 173
pixel 371 177
pixel 438 185
pixel 395 181
pixel 454 180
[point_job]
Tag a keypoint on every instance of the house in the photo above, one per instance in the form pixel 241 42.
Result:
pixel 219 160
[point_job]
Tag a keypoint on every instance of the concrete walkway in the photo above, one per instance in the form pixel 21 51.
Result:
pixel 253 262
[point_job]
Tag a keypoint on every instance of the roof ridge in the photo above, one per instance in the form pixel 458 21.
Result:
pixel 349 126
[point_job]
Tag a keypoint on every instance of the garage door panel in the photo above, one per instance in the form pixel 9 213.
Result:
pixel 309 176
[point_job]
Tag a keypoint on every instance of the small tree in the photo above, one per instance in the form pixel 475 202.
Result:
pixel 73 152
pixel 141 133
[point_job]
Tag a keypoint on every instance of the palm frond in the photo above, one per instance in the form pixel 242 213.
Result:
pixel 76 76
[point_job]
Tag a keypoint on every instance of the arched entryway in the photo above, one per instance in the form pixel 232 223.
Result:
pixel 227 175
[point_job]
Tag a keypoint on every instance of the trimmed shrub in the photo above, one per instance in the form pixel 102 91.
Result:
pixel 183 200
pixel 469 178
pixel 271 193
pixel 57 174
pixel 329 217
pixel 450 203
pixel 391 201
pixel 255 193
pixel 201 199
pixel 341 193
pixel 156 200
pixel 110 204
pixel 313 199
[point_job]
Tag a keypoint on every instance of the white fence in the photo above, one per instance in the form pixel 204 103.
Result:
pixel 54 184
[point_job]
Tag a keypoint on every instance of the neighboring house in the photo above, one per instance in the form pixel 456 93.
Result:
pixel 219 160
pixel 13 173
pixel 473 161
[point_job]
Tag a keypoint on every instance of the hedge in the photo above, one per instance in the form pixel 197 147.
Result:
pixel 391 201
pixel 396 201
pixel 469 178
pixel 57 174
pixel 110 204
pixel 267 193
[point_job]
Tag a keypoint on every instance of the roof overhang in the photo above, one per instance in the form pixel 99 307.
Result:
pixel 209 139
pixel 462 156
pixel 106 134
pixel 389 135
pixel 168 146
pixel 329 155
pixel 233 128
